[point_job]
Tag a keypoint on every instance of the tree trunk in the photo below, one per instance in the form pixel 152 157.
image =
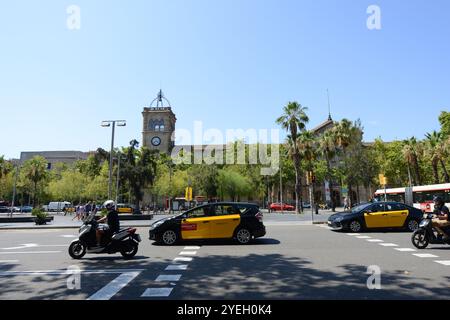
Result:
pixel 298 183
pixel 330 186
pixel 446 175
pixel 417 170
pixel 435 172
pixel 34 194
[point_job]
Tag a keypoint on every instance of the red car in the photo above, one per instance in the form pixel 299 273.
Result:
pixel 281 207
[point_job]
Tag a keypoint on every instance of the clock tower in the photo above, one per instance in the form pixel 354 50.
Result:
pixel 158 125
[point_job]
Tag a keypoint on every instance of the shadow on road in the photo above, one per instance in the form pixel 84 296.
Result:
pixel 274 276
pixel 256 242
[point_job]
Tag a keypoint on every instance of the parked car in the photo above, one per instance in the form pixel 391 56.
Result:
pixel 4 209
pixel 125 208
pixel 26 209
pixel 379 215
pixel 281 207
pixel 240 221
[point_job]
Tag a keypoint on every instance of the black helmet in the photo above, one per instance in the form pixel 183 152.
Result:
pixel 438 199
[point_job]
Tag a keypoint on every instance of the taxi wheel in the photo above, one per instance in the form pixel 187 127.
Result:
pixel 412 225
pixel 355 226
pixel 243 236
pixel 169 237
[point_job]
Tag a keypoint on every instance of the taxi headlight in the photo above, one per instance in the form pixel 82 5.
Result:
pixel 156 225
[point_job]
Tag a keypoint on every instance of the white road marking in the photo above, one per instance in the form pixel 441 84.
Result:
pixel 363 237
pixel 191 248
pixel 425 255
pixel 388 244
pixel 405 249
pixel 30 252
pixel 111 289
pixel 23 246
pixel 353 234
pixel 168 278
pixel 157 292
pixel 183 259
pixel 445 262
pixel 69 236
pixel 188 253
pixel 375 240
pixel 177 267
pixel 65 272
pixel 9 261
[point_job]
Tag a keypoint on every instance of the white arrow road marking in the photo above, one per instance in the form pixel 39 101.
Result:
pixel 111 289
pixel 157 292
pixel 168 278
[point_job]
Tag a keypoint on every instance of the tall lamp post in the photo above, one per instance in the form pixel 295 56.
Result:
pixel 107 124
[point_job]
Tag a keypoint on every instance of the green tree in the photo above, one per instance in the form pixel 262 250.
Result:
pixel 444 119
pixel 139 169
pixel 233 184
pixel 327 150
pixel 436 150
pixel 294 120
pixel 412 149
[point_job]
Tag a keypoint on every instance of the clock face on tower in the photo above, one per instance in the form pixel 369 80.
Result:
pixel 156 141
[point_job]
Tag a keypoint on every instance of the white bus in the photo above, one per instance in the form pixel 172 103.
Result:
pixel 422 196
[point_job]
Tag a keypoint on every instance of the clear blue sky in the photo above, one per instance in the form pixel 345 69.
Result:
pixel 229 63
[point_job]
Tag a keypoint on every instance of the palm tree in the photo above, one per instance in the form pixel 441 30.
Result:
pixel 294 120
pixel 346 134
pixel 327 149
pixel 436 151
pixel 411 151
pixel 4 167
pixel 35 170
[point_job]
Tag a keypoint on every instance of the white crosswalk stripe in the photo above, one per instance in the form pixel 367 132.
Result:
pixel 425 255
pixel 157 292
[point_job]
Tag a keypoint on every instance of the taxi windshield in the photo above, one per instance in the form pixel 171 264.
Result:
pixel 360 207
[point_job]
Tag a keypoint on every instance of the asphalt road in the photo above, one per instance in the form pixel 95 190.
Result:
pixel 294 261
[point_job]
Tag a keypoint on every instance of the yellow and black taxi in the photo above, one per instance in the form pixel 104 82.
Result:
pixel 377 215
pixel 125 208
pixel 239 221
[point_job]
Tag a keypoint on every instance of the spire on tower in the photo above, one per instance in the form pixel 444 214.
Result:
pixel 329 107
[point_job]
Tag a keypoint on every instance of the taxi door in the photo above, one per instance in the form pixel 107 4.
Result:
pixel 377 217
pixel 224 221
pixel 397 215
pixel 197 224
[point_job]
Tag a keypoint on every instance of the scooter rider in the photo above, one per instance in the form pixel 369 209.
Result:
pixel 112 219
pixel 443 216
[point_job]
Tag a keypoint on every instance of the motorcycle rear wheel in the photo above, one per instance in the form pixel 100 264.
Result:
pixel 77 250
pixel 420 239
pixel 130 252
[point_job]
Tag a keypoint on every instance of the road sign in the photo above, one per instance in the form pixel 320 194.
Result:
pixel 383 179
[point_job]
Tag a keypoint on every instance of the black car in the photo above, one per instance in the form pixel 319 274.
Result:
pixel 4 209
pixel 378 215
pixel 223 220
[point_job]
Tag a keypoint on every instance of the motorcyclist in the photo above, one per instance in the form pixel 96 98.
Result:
pixel 442 219
pixel 112 219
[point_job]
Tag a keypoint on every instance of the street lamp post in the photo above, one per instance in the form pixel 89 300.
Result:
pixel 118 178
pixel 109 123
pixel 14 190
